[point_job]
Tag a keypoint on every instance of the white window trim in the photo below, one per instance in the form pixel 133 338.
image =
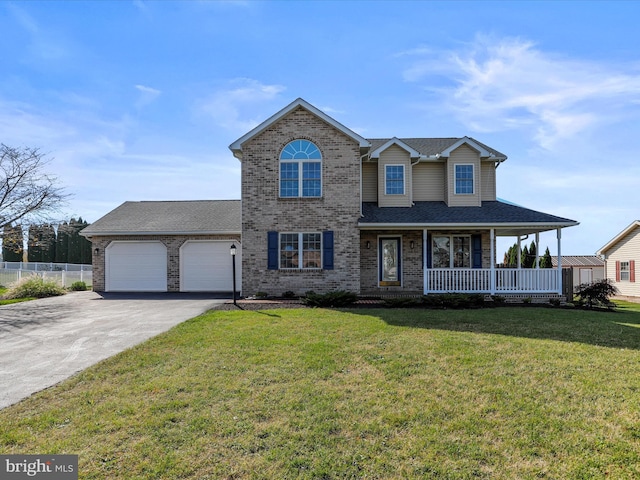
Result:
pixel 473 178
pixel 625 272
pixel 404 178
pixel 451 253
pixel 399 238
pixel 300 250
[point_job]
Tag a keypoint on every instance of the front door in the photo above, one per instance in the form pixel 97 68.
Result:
pixel 390 272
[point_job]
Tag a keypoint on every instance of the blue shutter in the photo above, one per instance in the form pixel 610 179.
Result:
pixel 272 250
pixel 476 250
pixel 327 250
pixel 429 263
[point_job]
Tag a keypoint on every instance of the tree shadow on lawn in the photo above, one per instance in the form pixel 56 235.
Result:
pixel 619 329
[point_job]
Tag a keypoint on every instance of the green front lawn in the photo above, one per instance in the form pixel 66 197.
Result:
pixel 320 394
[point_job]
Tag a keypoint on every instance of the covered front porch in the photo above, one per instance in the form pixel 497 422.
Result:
pixel 436 261
pixel 477 276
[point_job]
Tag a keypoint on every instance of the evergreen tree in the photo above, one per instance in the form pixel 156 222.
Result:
pixel 48 243
pixel 532 255
pixel 85 247
pixel 12 243
pixel 513 256
pixel 34 243
pixel 545 261
pixel 62 243
pixel 524 257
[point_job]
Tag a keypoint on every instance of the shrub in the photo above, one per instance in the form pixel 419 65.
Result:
pixel 401 302
pixel 34 286
pixel 337 298
pixel 555 302
pixel 499 299
pixel 596 293
pixel 261 295
pixel 454 300
pixel 78 286
pixel 288 294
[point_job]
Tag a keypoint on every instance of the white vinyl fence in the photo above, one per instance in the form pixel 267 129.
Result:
pixel 64 273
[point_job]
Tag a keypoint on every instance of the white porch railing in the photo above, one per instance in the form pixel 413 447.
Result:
pixel 480 280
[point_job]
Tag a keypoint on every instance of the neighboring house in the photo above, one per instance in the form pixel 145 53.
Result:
pixel 165 246
pixel 584 268
pixel 324 208
pixel 620 255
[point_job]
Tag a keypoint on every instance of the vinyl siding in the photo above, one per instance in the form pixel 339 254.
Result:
pixel 429 182
pixel 464 155
pixel 628 248
pixel 370 182
pixel 488 179
pixel 394 155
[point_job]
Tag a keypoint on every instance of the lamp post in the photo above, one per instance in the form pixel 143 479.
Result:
pixel 232 251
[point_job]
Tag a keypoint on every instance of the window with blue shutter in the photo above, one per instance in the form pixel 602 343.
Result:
pixel 476 250
pixel 272 250
pixel 327 250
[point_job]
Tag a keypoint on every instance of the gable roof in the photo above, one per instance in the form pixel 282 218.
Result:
pixel 394 141
pixel 236 147
pixel 620 236
pixel 437 147
pixel 491 214
pixel 169 218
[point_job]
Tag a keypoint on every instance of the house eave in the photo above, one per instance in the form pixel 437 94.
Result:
pixel 618 237
pixel 532 227
pixel 236 147
pixel 147 233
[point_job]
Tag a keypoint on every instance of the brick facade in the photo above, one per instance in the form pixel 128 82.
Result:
pixel 412 260
pixel 172 242
pixel 263 210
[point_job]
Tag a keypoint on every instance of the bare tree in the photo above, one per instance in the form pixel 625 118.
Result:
pixel 27 193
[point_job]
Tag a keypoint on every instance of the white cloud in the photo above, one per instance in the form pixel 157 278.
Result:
pixel 229 107
pixel 504 84
pixel 147 95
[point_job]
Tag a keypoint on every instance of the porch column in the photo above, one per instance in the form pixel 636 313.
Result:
pixel 559 235
pixel 492 238
pixel 425 278
pixel 519 263
pixel 537 261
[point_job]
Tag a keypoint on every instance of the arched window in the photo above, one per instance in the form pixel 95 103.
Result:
pixel 300 170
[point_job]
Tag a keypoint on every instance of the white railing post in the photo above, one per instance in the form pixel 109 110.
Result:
pixel 559 234
pixel 492 278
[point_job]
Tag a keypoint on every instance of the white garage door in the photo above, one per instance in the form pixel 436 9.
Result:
pixel 136 267
pixel 206 266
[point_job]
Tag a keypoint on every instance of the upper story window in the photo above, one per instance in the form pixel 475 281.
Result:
pixel 464 179
pixel 624 271
pixel 300 170
pixel 394 179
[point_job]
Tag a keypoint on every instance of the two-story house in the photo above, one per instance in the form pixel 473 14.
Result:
pixel 323 208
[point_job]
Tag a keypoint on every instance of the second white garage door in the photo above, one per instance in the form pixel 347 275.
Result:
pixel 206 266
pixel 136 267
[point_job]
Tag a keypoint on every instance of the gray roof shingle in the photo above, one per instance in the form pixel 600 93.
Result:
pixel 438 213
pixel 170 217
pixel 430 146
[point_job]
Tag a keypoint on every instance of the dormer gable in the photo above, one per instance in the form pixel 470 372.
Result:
pixel 413 153
pixel 236 147
pixel 483 151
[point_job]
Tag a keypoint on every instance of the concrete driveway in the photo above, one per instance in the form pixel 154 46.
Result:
pixel 43 342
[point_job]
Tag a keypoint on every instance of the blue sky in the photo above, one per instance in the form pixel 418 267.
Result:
pixel 140 100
